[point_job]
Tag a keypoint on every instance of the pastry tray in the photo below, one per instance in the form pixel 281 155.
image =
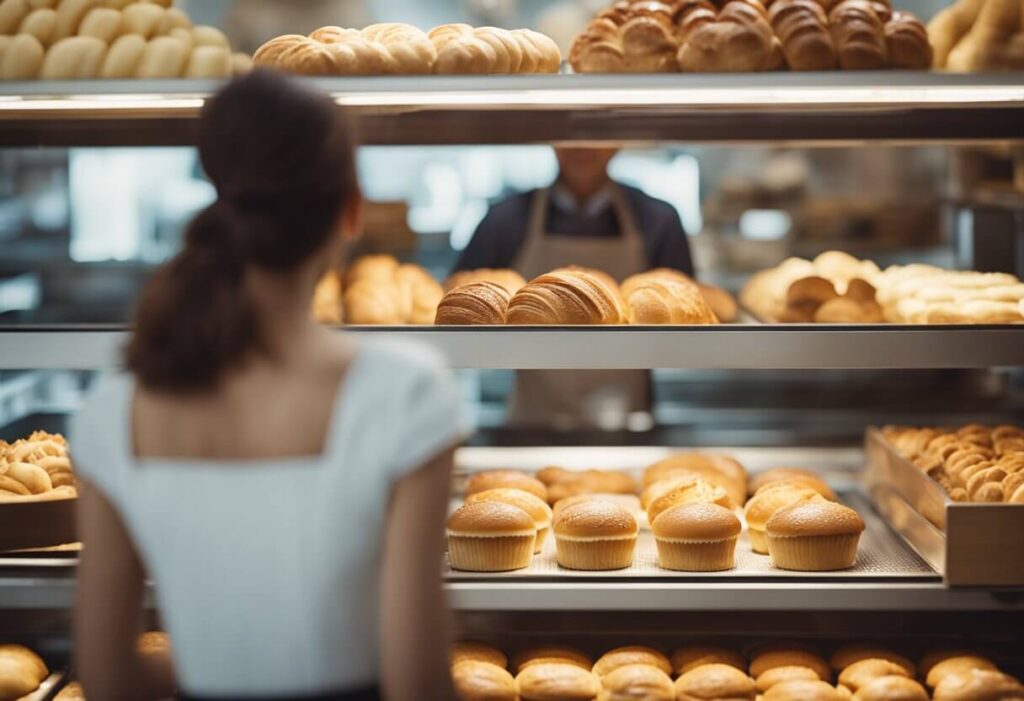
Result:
pixel 882 556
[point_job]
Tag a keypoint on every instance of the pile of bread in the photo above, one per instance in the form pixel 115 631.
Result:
pixel 36 468
pixel 401 49
pixel 979 35
pixel 582 296
pixel 776 671
pixel 641 36
pixel 689 501
pixel 973 463
pixel 378 290
pixel 112 39
pixel 838 288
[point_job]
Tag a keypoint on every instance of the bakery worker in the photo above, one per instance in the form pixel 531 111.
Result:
pixel 584 218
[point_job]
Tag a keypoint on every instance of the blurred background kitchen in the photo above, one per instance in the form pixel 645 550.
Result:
pixel 80 229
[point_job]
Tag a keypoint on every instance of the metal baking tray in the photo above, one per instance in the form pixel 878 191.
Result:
pixel 882 556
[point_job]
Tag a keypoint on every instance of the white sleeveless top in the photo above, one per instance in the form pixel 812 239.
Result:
pixel 266 571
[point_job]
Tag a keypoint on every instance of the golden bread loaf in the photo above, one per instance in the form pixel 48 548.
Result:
pixel 564 297
pixel 632 655
pixel 668 301
pixel 481 652
pixel 715 681
pixel 544 654
pixel 483 681
pixel 21 671
pixel 802 28
pixel 474 304
pixel 907 41
pixel 739 40
pixel 628 38
pixel 554 681
pixel 636 681
pixel 691 657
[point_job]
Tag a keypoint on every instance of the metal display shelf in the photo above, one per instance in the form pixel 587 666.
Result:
pixel 697 347
pixel 804 108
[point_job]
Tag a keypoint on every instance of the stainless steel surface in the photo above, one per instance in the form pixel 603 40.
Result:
pixel 701 347
pixel 881 556
pixel 808 108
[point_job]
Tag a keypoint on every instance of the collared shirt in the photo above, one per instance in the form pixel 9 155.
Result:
pixel 502 233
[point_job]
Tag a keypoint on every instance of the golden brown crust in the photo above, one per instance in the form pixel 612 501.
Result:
pixel 699 521
pixel 783 657
pixel 891 688
pixel 483 681
pixel 815 518
pixel 537 508
pixel 595 519
pixel 802 27
pixel 687 492
pixel 475 304
pixel 855 652
pixel 469 650
pixel 564 297
pixel 763 505
pixel 636 681
pixel 557 682
pixel 979 685
pixel 691 657
pixel 631 655
pixel 862 672
pixel 803 690
pixel 21 671
pixel 512 479
pixel 907 41
pixel 489 518
pixel 859 36
pixel 549 654
pixel 956 665
pixel 667 301
pixel 739 39
pixel 789 673
pixel 791 474
pixel 715 681
pixel 509 279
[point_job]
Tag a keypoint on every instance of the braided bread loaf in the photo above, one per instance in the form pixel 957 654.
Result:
pixel 564 297
pixel 859 36
pixel 475 304
pixel 401 49
pixel 628 38
pixel 802 27
pixel 908 44
pixel 739 39
pixel 76 39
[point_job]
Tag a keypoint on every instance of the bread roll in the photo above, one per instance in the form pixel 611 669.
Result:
pixel 691 657
pixel 103 23
pixel 862 672
pixel 557 682
pixel 124 57
pixel 775 658
pixel 907 41
pixel 739 40
pixel 478 303
pixel 804 690
pixel 715 681
pixel 483 681
pixel 22 59
pixel 636 681
pixel 164 57
pixel 564 298
pixel 668 302
pixel 412 50
pixel 480 652
pixel 802 28
pixel 42 24
pixel 891 688
pixel 74 58
pixel 209 62
pixel 144 19
pixel 949 26
pixel 551 654
pixel 859 36
pixel 12 14
pixel 956 665
pixel 21 671
pixel 70 14
pixel 628 38
pixel 369 302
pixel 209 36
pixel 632 655
pixel 979 685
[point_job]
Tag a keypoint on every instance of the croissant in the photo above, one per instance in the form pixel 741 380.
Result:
pixel 802 27
pixel 739 40
pixel 422 291
pixel 722 304
pixel 474 304
pixel 566 298
pixel 907 41
pixel 859 36
pixel 667 301
pixel 509 279
pixel 368 302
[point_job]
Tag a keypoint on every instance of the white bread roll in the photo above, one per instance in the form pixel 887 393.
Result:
pixel 143 19
pixel 104 23
pixel 165 57
pixel 22 58
pixel 12 14
pixel 74 58
pixel 42 24
pixel 124 56
pixel 184 36
pixel 70 14
pixel 209 62
pixel 209 36
pixel 241 63
pixel 173 19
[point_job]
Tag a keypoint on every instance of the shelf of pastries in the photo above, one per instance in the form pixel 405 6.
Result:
pixel 804 108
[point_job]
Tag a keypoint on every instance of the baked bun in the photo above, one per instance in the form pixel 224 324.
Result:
pixel 762 506
pixel 715 681
pixel 738 39
pixel 631 655
pixel 979 685
pixel 511 479
pixel 21 671
pixel 636 681
pixel 690 657
pixel 855 652
pixel 537 508
pixel 803 690
pixel 557 682
pixel 695 492
pixel 790 474
pixel 860 673
pixel 483 681
pixel 957 665
pixel 627 501
pixel 778 675
pixel 698 537
pixel 720 470
pixel 774 658
pixel 490 536
pixel 595 535
pixel 551 654
pixel 891 688
pixel 565 297
pixel 932 657
pixel 814 536
pixel 475 304
pixel 465 651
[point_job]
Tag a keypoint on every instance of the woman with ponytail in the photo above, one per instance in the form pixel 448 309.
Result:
pixel 282 485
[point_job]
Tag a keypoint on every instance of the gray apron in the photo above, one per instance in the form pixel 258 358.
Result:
pixel 580 398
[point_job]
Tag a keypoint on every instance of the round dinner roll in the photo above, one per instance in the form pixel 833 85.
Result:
pixel 512 479
pixel 979 685
pixel 720 470
pixel 699 491
pixel 772 658
pixel 763 506
pixel 956 665
pixel 553 475
pixel 164 57
pixel 712 682
pixel 104 23
pixel 551 654
pixel 592 482
pixel 469 650
pixel 696 538
pixel 791 474
pixel 538 509
pixel 631 655
pixel 860 673
pixel 691 657
pixel 803 690
pixel 636 682
pixel 778 675
pixel 557 682
pixel 42 24
pixel 595 535
pixel 891 688
pixel 22 58
pixel 21 671
pixel 932 657
pixel 855 652
pixel 483 681
pixel 814 536
pixel 490 537
pixel 656 489
pixel 208 62
pixel 123 57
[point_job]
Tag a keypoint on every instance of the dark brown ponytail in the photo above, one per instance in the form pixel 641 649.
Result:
pixel 281 158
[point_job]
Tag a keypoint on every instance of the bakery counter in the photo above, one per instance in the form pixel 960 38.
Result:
pixel 726 347
pixel 800 108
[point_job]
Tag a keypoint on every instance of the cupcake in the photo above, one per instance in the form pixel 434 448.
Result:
pixel 557 682
pixel 693 656
pixel 539 511
pixel 595 535
pixel 696 538
pixel 633 682
pixel 490 537
pixel 763 506
pixel 715 681
pixel 483 681
pixel 695 492
pixel 631 655
pixel 815 536
pixel 513 479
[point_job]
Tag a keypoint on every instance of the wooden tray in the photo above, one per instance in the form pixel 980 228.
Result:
pixel 37 523
pixel 970 544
